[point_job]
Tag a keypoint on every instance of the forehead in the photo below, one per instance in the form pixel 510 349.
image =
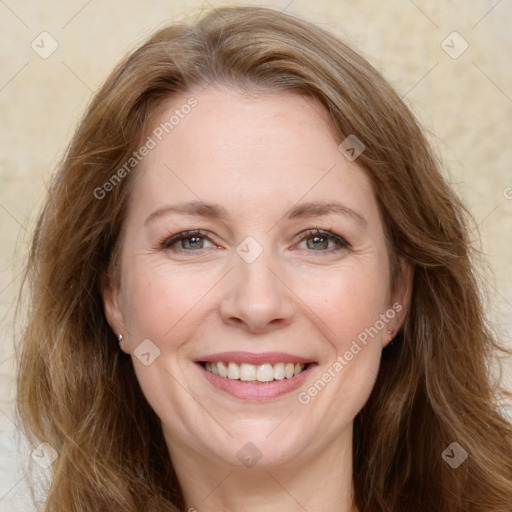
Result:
pixel 251 152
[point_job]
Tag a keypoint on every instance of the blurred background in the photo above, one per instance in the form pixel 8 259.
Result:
pixel 449 60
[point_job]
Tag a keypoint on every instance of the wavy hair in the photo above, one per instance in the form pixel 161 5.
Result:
pixel 78 391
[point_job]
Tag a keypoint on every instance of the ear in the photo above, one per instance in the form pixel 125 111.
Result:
pixel 400 298
pixel 111 294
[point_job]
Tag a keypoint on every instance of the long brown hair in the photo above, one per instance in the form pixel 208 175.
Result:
pixel 78 391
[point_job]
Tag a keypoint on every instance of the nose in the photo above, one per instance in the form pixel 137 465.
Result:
pixel 256 296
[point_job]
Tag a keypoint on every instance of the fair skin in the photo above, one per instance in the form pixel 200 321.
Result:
pixel 258 158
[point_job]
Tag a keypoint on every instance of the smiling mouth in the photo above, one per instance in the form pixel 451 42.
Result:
pixel 252 373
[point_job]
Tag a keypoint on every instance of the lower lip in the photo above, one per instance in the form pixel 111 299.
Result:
pixel 257 392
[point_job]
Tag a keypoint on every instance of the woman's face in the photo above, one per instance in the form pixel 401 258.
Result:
pixel 257 289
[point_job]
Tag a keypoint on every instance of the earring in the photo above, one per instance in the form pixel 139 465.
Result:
pixel 120 338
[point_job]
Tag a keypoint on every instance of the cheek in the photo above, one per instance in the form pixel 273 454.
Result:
pixel 158 300
pixel 162 305
pixel 342 302
pixel 351 306
pixel 349 301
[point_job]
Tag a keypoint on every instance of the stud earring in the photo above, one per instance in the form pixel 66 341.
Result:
pixel 120 338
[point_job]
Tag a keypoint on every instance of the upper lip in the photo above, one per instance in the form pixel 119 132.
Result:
pixel 253 358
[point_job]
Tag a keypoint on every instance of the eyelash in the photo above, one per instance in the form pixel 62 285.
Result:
pixel 167 242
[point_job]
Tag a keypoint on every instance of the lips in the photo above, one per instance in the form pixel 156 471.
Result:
pixel 251 376
pixel 253 358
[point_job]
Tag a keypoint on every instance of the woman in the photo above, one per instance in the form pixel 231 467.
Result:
pixel 252 289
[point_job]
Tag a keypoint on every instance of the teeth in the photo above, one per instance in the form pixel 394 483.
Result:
pixel 279 372
pixel 233 371
pixel 265 373
pixel 250 372
pixel 223 369
pixel 247 371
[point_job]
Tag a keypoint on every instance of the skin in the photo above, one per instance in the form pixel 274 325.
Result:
pixel 257 157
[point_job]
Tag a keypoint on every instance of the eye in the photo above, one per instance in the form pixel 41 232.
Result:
pixel 316 240
pixel 189 241
pixel 323 241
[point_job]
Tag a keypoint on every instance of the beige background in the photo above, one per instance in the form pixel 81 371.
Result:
pixel 465 104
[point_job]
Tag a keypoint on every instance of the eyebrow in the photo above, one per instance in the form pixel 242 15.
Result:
pixel 218 212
